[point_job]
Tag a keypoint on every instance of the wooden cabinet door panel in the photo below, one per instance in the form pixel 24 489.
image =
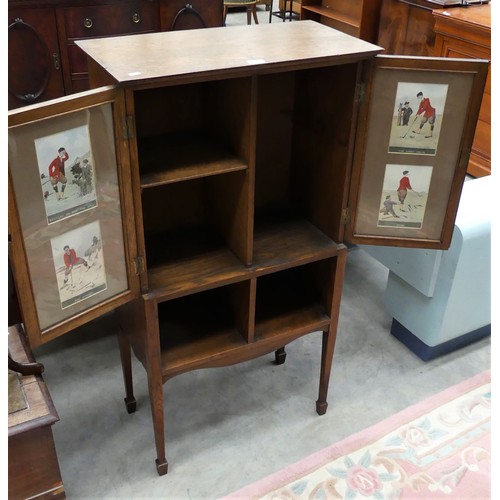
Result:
pixel 408 173
pixel 73 246
pixel 35 72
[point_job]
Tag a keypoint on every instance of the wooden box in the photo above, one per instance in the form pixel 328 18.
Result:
pixel 33 464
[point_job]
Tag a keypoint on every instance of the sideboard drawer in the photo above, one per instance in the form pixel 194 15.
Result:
pixel 108 20
pixel 125 17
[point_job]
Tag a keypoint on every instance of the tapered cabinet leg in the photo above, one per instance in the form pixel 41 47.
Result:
pixel 156 399
pixel 330 336
pixel 161 467
pixel 326 366
pixel 155 383
pixel 126 359
pixel 280 356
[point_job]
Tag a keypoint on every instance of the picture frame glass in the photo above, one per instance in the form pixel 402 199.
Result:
pixel 65 177
pixel 410 160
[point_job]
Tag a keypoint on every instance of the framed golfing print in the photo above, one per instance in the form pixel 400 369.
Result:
pixel 409 160
pixel 417 118
pixel 67 181
pixel 69 238
pixel 79 264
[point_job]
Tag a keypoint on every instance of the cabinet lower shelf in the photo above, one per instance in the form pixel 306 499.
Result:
pixel 241 321
pixel 199 260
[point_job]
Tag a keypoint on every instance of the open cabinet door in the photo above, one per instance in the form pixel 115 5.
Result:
pixel 72 237
pixel 415 130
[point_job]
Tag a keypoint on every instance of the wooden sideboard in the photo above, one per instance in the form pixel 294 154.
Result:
pixel 406 27
pixel 466 33
pixel 44 61
pixel 33 465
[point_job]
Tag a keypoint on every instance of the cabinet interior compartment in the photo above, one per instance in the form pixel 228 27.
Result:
pixel 304 121
pixel 294 301
pixel 193 130
pixel 197 232
pixel 197 329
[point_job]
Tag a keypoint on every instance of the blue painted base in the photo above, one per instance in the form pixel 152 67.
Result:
pixel 425 352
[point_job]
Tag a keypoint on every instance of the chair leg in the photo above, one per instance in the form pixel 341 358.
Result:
pixel 225 15
pixel 249 15
pixel 254 12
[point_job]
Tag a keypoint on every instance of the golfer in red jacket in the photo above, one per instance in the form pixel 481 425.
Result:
pixel 404 185
pixel 57 172
pixel 70 260
pixel 427 111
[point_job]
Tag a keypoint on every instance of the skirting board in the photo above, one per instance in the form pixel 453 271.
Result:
pixel 425 352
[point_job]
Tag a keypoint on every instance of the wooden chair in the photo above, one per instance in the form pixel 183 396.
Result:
pixel 267 3
pixel 250 5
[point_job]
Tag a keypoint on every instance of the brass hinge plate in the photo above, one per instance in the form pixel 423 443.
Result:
pixel 346 216
pixel 359 93
pixel 128 127
pixel 139 265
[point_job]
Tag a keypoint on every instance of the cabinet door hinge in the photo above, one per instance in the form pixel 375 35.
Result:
pixel 139 265
pixel 346 216
pixel 128 128
pixel 359 95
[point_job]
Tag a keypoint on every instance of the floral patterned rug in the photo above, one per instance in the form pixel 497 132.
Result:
pixel 439 448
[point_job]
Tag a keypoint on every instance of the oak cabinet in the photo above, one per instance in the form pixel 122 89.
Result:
pixel 227 180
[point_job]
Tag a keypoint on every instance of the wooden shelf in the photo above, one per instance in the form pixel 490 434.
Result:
pixel 301 321
pixel 188 261
pixel 201 330
pixel 281 242
pixel 194 259
pixel 194 329
pixel 183 156
pixel 291 301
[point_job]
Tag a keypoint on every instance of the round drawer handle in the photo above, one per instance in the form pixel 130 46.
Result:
pixel 136 18
pixel 88 23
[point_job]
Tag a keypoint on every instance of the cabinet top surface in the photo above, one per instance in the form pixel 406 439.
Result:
pixel 474 14
pixel 138 58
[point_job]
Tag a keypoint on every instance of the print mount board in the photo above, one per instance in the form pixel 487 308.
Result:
pixel 408 170
pixel 76 138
